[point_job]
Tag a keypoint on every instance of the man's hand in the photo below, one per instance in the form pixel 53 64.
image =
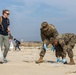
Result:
pixel 55 42
pixel 8 29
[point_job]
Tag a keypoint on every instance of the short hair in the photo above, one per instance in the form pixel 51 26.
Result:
pixel 4 11
pixel 14 38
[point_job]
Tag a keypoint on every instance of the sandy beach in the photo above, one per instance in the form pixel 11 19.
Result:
pixel 23 63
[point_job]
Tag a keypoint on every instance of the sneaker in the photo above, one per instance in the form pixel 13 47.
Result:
pixel 1 62
pixel 5 60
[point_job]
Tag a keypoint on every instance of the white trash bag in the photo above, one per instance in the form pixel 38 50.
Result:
pixel 11 45
pixel 1 56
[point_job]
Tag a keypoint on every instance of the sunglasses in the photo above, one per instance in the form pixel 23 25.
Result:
pixel 8 13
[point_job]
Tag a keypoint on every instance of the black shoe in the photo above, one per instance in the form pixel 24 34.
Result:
pixel 1 62
pixel 65 62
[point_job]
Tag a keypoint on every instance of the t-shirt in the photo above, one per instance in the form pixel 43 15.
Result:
pixel 5 23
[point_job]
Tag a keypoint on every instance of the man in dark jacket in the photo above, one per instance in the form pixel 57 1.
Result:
pixel 4 29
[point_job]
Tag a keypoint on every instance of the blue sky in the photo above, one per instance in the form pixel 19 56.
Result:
pixel 26 16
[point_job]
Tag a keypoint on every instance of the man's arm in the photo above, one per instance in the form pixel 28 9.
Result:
pixel 8 29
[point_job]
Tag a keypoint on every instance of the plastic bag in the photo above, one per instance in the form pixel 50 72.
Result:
pixel 11 45
pixel 1 56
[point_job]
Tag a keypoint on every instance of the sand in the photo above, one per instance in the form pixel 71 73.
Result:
pixel 23 63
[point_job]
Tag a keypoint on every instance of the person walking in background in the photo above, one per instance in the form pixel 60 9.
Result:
pixel 17 44
pixel 4 29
